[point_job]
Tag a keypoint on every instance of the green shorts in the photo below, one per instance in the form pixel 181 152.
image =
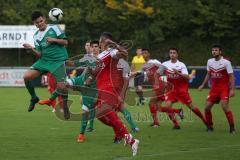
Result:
pixel 88 92
pixel 56 68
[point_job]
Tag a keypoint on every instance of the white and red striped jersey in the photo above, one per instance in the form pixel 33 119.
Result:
pixel 219 71
pixel 179 82
pixel 150 68
pixel 107 61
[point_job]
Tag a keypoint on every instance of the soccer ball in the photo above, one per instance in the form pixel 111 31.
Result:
pixel 55 14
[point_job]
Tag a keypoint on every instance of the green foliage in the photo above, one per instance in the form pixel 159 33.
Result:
pixel 147 23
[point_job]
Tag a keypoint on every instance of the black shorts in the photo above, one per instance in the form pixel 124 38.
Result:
pixel 139 79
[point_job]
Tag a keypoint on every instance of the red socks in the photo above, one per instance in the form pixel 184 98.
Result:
pixel 111 119
pixel 153 110
pixel 229 117
pixel 199 114
pixel 208 115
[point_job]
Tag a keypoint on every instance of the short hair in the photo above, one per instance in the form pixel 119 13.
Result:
pixel 217 46
pixel 36 15
pixel 173 48
pixel 94 42
pixel 107 35
pixel 145 49
pixel 138 48
pixel 88 41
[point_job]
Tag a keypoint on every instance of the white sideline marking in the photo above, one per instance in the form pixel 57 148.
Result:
pixel 180 151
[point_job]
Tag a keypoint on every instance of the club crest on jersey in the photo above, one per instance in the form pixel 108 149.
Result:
pixel 216 75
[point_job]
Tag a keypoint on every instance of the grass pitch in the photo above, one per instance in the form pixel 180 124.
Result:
pixel 41 135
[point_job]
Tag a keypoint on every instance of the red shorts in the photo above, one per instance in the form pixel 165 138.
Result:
pixel 107 95
pixel 159 94
pixel 216 95
pixel 182 97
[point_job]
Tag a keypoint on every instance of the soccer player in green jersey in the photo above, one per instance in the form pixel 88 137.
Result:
pixel 49 46
pixel 86 85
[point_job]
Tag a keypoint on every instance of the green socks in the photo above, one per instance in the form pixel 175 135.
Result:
pixel 84 121
pixel 91 117
pixel 30 88
pixel 128 117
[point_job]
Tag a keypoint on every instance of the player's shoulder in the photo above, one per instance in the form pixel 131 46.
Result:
pixel 166 62
pixel 106 53
pixel 181 63
pixel 211 60
pixel 225 60
pixel 56 28
pixel 154 61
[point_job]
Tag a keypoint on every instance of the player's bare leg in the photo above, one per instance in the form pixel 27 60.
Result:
pixel 197 112
pixel 153 107
pixel 174 110
pixel 229 115
pixel 171 115
pixel 28 77
pixel 208 116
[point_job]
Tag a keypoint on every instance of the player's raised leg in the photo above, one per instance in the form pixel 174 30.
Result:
pixel 197 112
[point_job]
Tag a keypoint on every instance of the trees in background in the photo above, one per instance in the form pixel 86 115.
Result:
pixel 191 25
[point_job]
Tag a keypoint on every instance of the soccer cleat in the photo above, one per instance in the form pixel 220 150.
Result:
pixel 80 138
pixel 127 139
pixel 135 147
pixel 176 127
pixel 135 129
pixel 180 114
pixel 155 125
pixel 90 129
pixel 54 110
pixel 48 102
pixel 232 130
pixel 210 129
pixel 32 104
pixel 117 140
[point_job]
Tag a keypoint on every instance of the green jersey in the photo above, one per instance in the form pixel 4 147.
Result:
pixel 50 51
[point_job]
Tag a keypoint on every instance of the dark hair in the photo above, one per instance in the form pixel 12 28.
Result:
pixel 145 49
pixel 36 15
pixel 138 48
pixel 88 41
pixel 107 35
pixel 173 48
pixel 94 42
pixel 217 46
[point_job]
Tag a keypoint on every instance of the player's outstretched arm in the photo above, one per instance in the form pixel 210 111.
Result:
pixel 232 85
pixel 35 52
pixel 122 52
pixel 207 77
pixel 63 42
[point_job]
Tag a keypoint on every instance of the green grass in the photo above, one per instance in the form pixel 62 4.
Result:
pixel 40 135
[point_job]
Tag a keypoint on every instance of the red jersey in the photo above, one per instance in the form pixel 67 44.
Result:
pixel 107 62
pixel 219 71
pixel 179 83
pixel 150 68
